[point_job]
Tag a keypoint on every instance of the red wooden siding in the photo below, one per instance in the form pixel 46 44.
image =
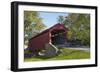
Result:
pixel 39 42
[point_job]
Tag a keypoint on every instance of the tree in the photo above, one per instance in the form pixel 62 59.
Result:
pixel 79 27
pixel 61 19
pixel 32 23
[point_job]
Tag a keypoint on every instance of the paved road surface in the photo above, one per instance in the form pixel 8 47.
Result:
pixel 77 47
pixel 85 49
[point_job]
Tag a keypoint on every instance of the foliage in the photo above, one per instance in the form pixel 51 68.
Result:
pixel 32 24
pixel 60 19
pixel 79 27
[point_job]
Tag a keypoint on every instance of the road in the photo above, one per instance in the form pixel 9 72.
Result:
pixel 79 48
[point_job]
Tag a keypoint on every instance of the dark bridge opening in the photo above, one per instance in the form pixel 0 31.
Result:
pixel 58 37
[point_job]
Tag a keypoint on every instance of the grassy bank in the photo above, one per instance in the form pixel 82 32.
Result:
pixel 66 54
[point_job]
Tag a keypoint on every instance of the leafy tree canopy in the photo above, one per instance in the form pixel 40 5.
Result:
pixel 78 25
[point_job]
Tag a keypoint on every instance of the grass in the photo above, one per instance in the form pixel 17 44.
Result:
pixel 66 54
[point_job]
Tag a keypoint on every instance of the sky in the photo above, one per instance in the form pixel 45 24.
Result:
pixel 50 18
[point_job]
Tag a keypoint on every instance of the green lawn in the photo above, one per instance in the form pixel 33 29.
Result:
pixel 66 54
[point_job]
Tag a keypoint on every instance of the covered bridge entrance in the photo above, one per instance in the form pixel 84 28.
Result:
pixel 58 37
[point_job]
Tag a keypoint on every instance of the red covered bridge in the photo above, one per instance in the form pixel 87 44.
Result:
pixel 55 35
